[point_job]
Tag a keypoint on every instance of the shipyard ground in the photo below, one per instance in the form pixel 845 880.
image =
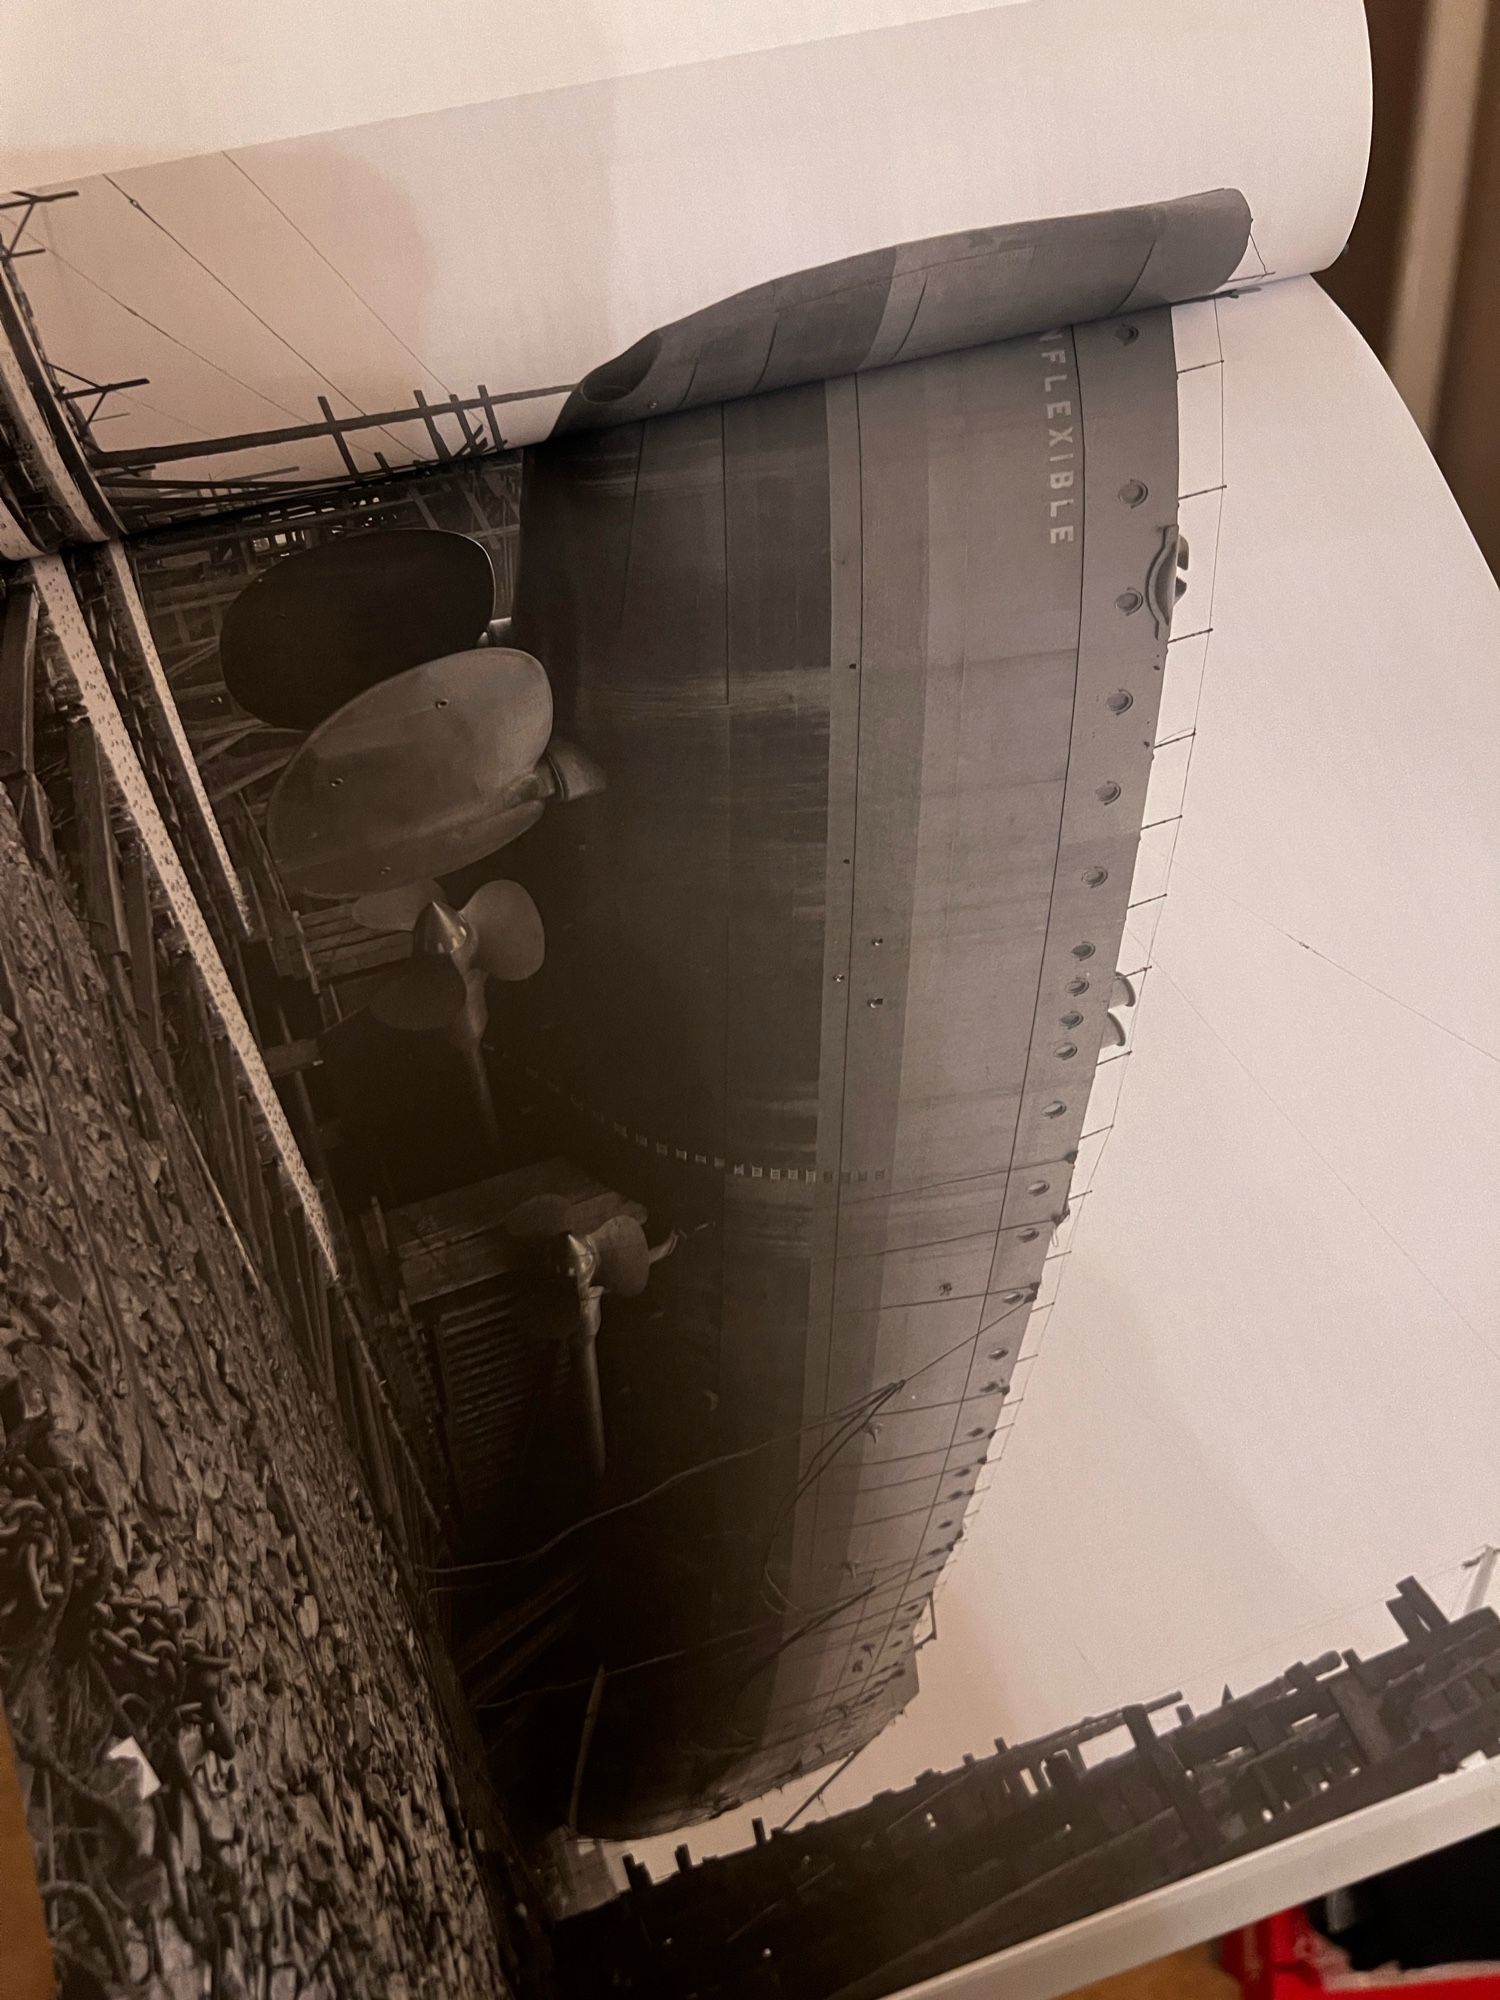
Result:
pixel 189 1556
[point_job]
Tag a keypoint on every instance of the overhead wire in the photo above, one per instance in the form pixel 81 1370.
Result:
pixel 882 1397
pixel 1479 1049
pixel 317 250
pixel 187 347
pixel 673 1479
pixel 259 317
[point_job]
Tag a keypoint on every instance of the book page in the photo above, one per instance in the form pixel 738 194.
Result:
pixel 85 90
pixel 881 986
pixel 327 306
pixel 98 99
pixel 1257 1386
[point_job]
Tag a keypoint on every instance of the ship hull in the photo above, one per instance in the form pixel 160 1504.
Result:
pixel 872 668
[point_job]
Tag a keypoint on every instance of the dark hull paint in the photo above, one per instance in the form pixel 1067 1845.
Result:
pixel 807 961
pixel 912 300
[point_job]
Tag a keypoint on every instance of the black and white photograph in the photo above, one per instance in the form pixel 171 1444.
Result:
pixel 750 1106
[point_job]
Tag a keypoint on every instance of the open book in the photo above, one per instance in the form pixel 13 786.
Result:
pixel 668 611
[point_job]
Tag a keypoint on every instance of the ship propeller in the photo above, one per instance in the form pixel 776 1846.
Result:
pixel 497 934
pixel 325 624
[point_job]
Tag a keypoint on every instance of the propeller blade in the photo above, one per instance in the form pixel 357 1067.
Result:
pixel 509 941
pixel 326 623
pixel 430 994
pixel 395 909
pixel 420 776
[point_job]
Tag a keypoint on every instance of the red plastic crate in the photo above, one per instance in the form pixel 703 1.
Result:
pixel 1284 1958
